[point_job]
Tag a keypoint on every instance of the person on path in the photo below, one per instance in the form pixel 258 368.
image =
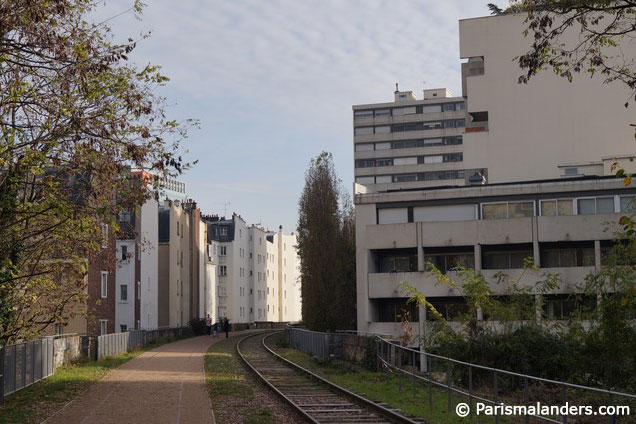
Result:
pixel 208 325
pixel 215 327
pixel 226 327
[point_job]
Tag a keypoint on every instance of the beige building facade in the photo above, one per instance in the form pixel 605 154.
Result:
pixel 533 179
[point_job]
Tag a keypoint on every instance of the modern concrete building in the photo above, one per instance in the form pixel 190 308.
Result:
pixel 410 143
pixel 257 272
pixel 505 172
pixel 179 257
pixel 560 223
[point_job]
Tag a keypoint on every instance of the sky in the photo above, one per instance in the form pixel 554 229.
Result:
pixel 272 83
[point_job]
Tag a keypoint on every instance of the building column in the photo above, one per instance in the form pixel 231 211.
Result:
pixel 597 254
pixel 536 253
pixel 423 334
pixel 421 266
pixel 477 248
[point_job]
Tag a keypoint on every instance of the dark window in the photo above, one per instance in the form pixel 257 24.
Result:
pixel 460 123
pixel 395 309
pixel 562 306
pixel 506 256
pixel 404 178
pixel 124 253
pixel 450 308
pixel 365 163
pixel 384 162
pixel 454 157
pixel 556 255
pixel 448 107
pixel 449 124
pixel 397 260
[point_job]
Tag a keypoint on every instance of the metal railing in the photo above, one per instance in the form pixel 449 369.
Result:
pixel 434 378
pixel 476 383
pixel 117 343
pixel 26 363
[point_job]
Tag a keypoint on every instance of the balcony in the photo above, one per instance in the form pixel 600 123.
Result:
pixel 576 227
pixel 391 236
pixel 385 284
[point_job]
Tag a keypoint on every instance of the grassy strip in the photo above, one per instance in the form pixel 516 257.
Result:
pixel 37 402
pixel 230 387
pixel 384 388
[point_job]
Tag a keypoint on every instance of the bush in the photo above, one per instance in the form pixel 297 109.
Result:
pixel 198 326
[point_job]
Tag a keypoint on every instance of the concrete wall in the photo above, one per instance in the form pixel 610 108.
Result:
pixel 546 122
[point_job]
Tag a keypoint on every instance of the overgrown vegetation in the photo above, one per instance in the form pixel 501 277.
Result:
pixel 594 346
pixel 384 387
pixel 326 247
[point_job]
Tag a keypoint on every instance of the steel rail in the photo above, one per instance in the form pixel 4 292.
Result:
pixel 392 415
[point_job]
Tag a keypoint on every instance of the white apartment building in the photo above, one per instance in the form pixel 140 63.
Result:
pixel 126 287
pixel 531 179
pixel 257 272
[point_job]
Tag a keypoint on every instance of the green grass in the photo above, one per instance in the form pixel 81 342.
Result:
pixel 230 388
pixel 35 403
pixel 385 388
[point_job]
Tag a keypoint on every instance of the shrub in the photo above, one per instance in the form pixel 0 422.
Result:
pixel 198 326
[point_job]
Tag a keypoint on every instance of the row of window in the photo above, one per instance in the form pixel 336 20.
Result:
pixel 560 207
pixel 555 307
pixel 500 210
pixel 563 255
pixel 409 144
pixel 413 160
pixel 402 178
pixel 411 126
pixel 409 110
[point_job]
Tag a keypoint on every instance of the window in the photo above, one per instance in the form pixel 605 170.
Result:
pixel 628 204
pixel 222 250
pixel 123 328
pixel 404 111
pixel 451 261
pixel 104 284
pixel 385 129
pixel 448 107
pixel 383 112
pixel 507 210
pixel 511 258
pixel 360 114
pixel 404 178
pixel 103 326
pixel 224 231
pixel 397 260
pixel 363 130
pixel 364 147
pixel 393 310
pixel 123 292
pixel 223 270
pixel 594 205
pixel 564 257
pixel 556 207
pixel 124 253
pixel 182 259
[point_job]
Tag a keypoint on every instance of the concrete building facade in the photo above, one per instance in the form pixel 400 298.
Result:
pixel 531 178
pixel 560 224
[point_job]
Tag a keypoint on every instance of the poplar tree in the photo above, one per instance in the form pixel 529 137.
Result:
pixel 326 246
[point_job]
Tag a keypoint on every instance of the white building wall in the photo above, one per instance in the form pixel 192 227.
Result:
pixel 149 263
pixel 125 276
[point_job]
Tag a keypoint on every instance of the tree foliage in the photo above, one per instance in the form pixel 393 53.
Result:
pixel 74 117
pixel 326 247
pixel 578 36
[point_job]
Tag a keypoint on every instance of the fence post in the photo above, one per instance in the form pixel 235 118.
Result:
pixel 448 383
pixel 564 401
pixel 470 387
pixel 525 396
pixel 430 384
pixel 496 387
pixel 612 418
pixel 413 355
pixel 24 364
pixel 398 351
pixel 1 375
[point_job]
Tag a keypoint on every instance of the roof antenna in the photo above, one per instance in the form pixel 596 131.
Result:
pixel 396 87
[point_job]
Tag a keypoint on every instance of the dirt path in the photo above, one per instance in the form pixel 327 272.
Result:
pixel 165 385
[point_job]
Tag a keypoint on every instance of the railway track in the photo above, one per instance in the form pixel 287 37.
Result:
pixel 317 399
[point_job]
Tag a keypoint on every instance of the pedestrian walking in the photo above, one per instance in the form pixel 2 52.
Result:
pixel 215 328
pixel 208 325
pixel 226 327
